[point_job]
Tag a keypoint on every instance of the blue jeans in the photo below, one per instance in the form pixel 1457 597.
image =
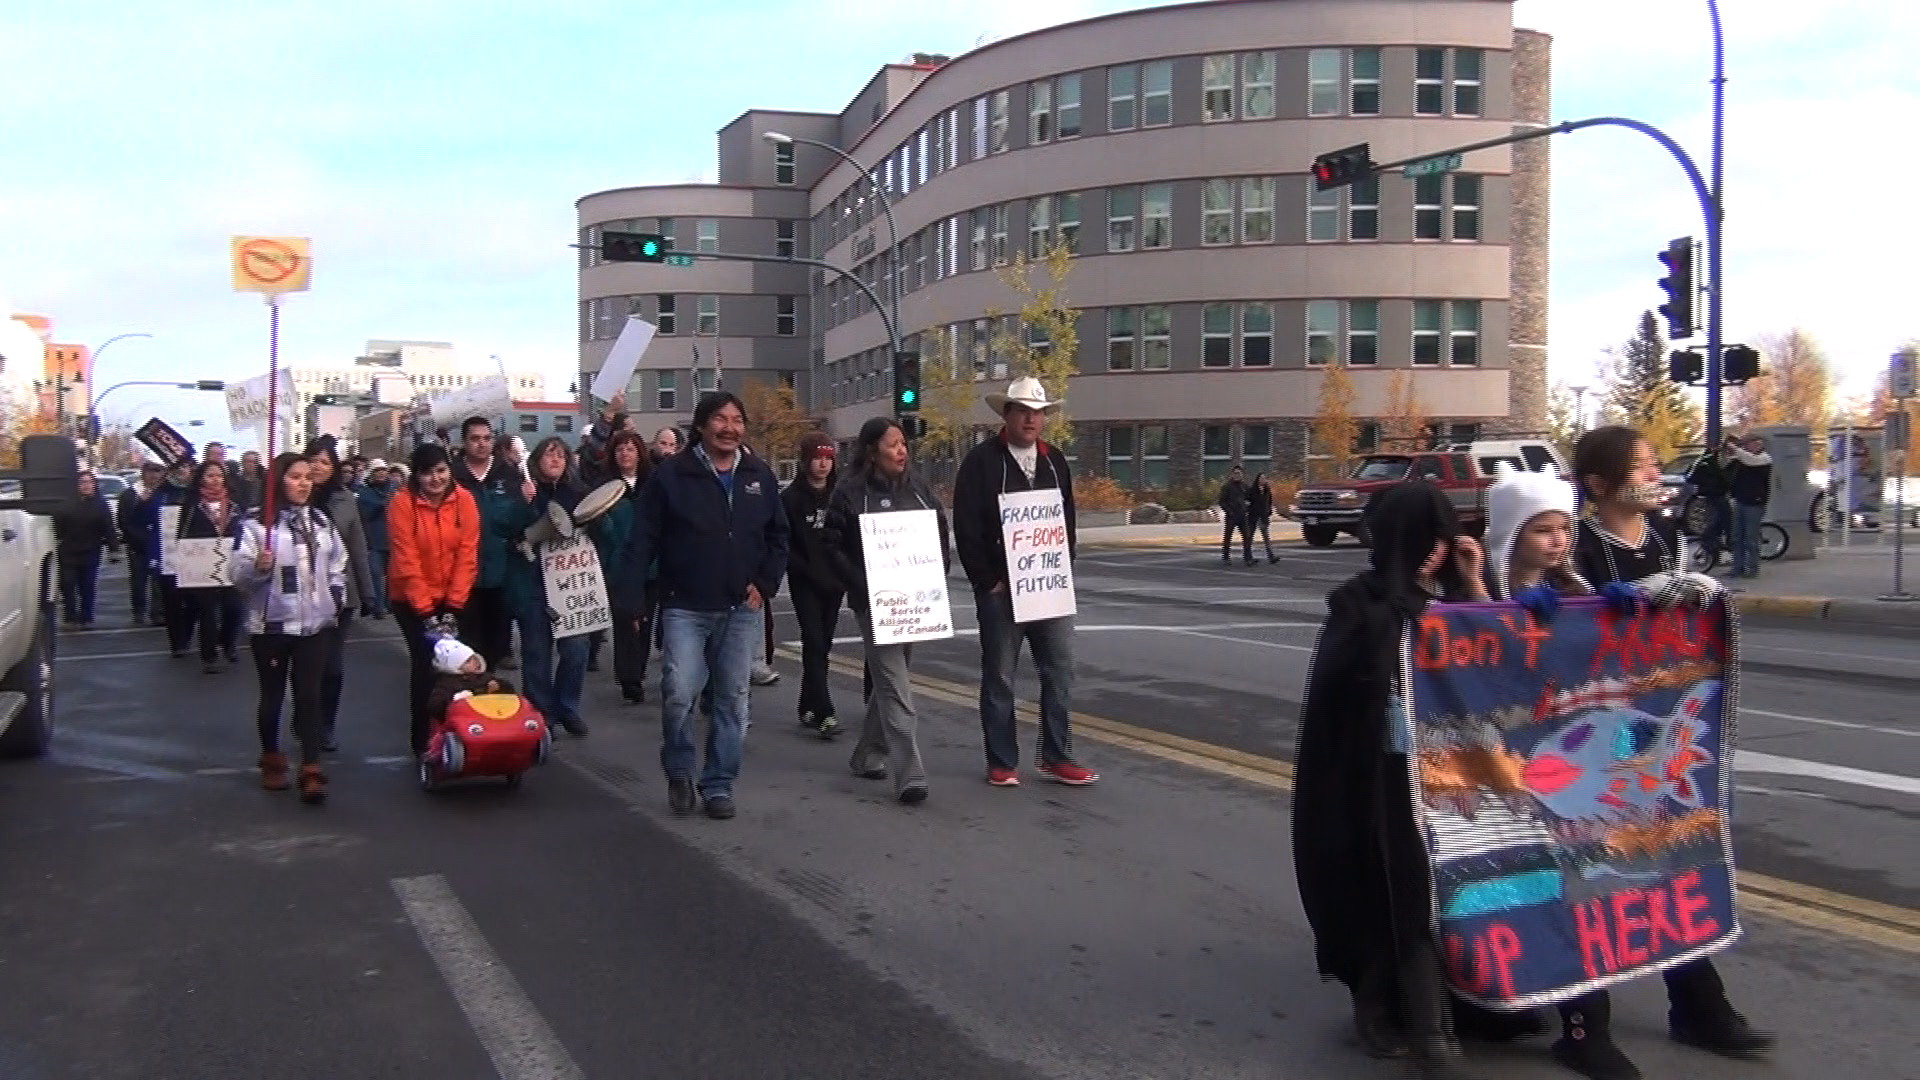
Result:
pixel 79 585
pixel 704 650
pixel 554 689
pixel 1746 538
pixel 377 563
pixel 1052 643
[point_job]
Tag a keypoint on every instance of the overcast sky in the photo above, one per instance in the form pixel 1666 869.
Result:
pixel 434 151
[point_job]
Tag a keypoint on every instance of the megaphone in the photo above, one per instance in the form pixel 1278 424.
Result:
pixel 555 524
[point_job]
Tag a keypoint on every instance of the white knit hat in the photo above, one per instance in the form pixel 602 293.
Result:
pixel 1516 498
pixel 450 655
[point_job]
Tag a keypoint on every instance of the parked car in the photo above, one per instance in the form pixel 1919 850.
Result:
pixel 1464 472
pixel 46 482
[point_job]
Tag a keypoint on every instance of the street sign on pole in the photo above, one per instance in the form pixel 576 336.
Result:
pixel 1900 374
pixel 1445 163
pixel 679 260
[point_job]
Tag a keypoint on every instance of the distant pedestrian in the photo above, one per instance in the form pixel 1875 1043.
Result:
pixel 814 585
pixel 554 668
pixel 332 497
pixel 84 529
pixel 131 515
pixel 215 609
pixel 494 483
pixel 173 492
pixel 712 516
pixel 1260 513
pixel 632 629
pixel 1016 460
pixel 434 529
pixel 374 497
pixel 1235 510
pixel 1750 482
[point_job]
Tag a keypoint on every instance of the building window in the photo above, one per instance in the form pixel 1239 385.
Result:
pixel 1123 87
pixel 1429 82
pixel 1122 204
pixel 1216 88
pixel 1367 439
pixel 707 316
pixel 529 423
pixel 1039 112
pixel 1066 100
pixel 1466 82
pixel 706 380
pixel 922 155
pixel 997 122
pixel 1216 212
pixel 786 316
pixel 1323 82
pixel 1427 315
pixel 1256 334
pixel 783 238
pixel 1466 206
pixel 1256 209
pixel 1363 209
pixel 979 128
pixel 1216 452
pixel 1153 457
pixel 1156 216
pixel 1216 336
pixel 1039 225
pixel 563 424
pixel 998 242
pixel 1462 434
pixel 1067 209
pixel 1363 333
pixel 1323 214
pixel 1463 334
pixel 1323 322
pixel 1363 88
pixel 664 226
pixel 707 231
pixel 666 396
pixel 783 163
pixel 1429 195
pixel 1120 339
pixel 1256 86
pixel 1156 338
pixel 1120 456
pixel 978 244
pixel 1256 447
pixel 1156 93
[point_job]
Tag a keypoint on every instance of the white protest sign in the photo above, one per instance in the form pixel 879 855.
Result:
pixel 1033 526
pixel 576 590
pixel 203 563
pixel 491 397
pixel 169 538
pixel 617 369
pixel 247 401
pixel 906 577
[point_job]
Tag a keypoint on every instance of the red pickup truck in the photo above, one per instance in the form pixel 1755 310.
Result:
pixel 1326 510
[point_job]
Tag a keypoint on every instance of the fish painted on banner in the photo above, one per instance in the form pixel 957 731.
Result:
pixel 1619 764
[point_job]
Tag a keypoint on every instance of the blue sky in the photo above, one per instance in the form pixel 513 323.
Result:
pixel 434 151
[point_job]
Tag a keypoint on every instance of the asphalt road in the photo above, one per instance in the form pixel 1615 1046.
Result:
pixel 161 917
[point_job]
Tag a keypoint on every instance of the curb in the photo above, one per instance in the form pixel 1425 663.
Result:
pixel 1200 540
pixel 1831 609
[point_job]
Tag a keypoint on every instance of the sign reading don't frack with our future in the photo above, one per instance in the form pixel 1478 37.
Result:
pixel 906 577
pixel 1033 526
pixel 576 589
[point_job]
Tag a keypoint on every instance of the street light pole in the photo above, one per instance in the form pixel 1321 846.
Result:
pixel 1716 217
pixel 886 205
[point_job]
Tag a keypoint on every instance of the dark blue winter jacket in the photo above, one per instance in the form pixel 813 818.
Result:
pixel 711 541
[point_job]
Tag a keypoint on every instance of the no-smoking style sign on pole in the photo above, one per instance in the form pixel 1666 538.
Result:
pixel 272 264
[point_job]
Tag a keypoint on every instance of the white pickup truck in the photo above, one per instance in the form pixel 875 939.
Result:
pixel 29 587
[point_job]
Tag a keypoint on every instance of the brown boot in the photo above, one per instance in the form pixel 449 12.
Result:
pixel 273 771
pixel 313 785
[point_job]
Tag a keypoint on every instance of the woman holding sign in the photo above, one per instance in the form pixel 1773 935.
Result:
pixel 212 515
pixel 881 482
pixel 555 663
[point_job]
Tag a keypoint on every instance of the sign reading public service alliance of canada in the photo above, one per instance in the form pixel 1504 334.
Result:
pixel 272 264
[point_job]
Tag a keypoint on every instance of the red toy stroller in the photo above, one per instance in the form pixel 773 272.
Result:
pixel 486 735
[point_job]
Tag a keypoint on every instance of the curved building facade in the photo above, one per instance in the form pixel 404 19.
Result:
pixel 1169 149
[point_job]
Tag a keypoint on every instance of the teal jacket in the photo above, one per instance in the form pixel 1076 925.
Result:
pixel 521 577
pixel 498 498
pixel 610 532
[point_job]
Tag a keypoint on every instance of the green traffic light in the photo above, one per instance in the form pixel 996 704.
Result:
pixel 907 396
pixel 650 248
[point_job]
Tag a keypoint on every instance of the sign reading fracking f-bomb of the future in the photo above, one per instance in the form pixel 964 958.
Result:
pixel 1033 527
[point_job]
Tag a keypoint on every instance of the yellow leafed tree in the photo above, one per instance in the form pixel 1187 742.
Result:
pixel 1404 426
pixel 774 420
pixel 947 392
pixel 16 423
pixel 1795 385
pixel 1044 341
pixel 1334 427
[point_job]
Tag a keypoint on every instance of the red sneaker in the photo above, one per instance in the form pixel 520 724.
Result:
pixel 1068 773
pixel 1003 777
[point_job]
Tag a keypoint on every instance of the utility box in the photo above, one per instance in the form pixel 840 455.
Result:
pixel 1791 499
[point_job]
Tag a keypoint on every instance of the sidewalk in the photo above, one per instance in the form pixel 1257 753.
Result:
pixel 1840 584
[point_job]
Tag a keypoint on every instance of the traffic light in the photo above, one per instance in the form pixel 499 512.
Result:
pixel 913 426
pixel 633 247
pixel 1738 364
pixel 1680 290
pixel 1684 366
pixel 1342 167
pixel 906 382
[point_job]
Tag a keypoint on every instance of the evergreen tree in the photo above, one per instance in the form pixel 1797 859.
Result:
pixel 1642 396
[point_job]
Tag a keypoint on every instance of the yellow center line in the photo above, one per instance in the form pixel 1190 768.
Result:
pixel 1808 906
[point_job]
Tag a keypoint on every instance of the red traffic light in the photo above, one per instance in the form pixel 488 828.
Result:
pixel 1342 167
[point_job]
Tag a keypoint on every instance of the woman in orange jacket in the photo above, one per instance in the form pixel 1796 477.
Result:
pixel 433 529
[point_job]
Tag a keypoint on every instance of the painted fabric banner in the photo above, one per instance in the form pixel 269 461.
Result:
pixel 1574 782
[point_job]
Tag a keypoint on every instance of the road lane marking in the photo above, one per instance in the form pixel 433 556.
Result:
pixel 1823 722
pixel 513 1032
pixel 1754 761
pixel 1789 901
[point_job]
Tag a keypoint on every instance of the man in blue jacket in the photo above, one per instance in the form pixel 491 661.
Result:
pixel 712 517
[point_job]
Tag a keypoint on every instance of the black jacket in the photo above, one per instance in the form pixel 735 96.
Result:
pixel 1259 502
pixel 711 544
pixel 130 517
pixel 1751 485
pixel 1233 499
pixel 85 527
pixel 860 493
pixel 809 562
pixel 987 472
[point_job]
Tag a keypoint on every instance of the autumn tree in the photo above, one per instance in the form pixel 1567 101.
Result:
pixel 775 421
pixel 947 392
pixel 1644 398
pixel 1404 425
pixel 1563 419
pixel 1043 338
pixel 17 421
pixel 1334 428
pixel 1795 386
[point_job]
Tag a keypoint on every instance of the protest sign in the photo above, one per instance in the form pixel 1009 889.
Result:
pixel 247 401
pixel 168 445
pixel 576 589
pixel 906 577
pixel 169 518
pixel 203 563
pixel 616 371
pixel 1033 527
pixel 1574 781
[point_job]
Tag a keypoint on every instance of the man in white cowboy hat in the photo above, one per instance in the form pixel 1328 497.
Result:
pixel 1012 461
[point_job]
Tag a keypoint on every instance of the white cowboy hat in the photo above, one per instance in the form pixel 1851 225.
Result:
pixel 1023 391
